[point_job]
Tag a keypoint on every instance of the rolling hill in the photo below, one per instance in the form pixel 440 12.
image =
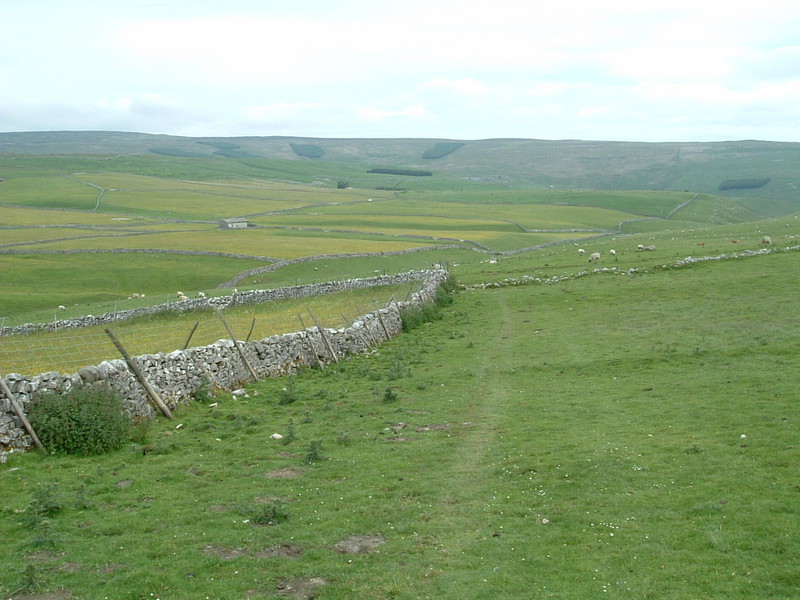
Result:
pixel 722 168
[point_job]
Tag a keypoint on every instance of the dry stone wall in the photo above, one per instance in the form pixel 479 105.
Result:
pixel 177 375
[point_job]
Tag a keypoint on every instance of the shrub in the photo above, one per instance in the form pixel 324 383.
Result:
pixel 85 421
pixel 314 451
pixel 266 514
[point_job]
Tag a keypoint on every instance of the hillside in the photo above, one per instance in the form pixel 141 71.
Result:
pixel 724 168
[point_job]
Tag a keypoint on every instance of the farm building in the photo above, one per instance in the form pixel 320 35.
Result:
pixel 233 223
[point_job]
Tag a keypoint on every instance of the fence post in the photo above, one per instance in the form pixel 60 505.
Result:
pixel 191 333
pixel 252 327
pixel 140 376
pixel 320 364
pixel 18 409
pixel 380 320
pixel 238 346
pixel 324 337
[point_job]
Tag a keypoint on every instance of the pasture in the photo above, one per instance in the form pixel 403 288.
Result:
pixel 629 436
pixel 629 432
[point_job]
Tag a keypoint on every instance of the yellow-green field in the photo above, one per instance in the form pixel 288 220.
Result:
pixel 170 204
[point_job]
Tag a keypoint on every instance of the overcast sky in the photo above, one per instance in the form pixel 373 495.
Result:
pixel 657 70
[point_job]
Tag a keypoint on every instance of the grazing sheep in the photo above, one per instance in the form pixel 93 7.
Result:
pixel 766 240
pixel 613 253
pixel 62 307
pixel 182 298
pixel 594 257
pixel 179 294
pixel 640 247
pixel 201 294
pixel 581 251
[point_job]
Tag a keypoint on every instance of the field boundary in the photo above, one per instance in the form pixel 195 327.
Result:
pixel 227 364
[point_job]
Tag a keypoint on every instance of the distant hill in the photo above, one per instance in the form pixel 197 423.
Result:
pixel 513 163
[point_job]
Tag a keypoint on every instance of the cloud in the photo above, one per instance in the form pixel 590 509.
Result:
pixel 416 111
pixel 466 85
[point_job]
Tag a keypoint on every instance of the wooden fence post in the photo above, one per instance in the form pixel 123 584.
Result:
pixel 320 364
pixel 238 346
pixel 380 320
pixel 324 337
pixel 252 327
pixel 140 376
pixel 191 333
pixel 18 409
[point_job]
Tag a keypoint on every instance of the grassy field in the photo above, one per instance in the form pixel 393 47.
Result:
pixel 629 432
pixel 68 350
pixel 629 436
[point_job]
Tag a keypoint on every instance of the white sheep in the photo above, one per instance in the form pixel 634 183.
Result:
pixel 766 240
pixel 182 298
pixel 613 252
pixel 581 251
pixel 201 294
pixel 640 247
pixel 62 307
pixel 179 294
pixel 594 257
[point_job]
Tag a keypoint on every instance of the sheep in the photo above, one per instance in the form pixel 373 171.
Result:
pixel 640 247
pixel 581 251
pixel 594 257
pixel 613 253
pixel 62 307
pixel 181 298
pixel 179 294
pixel 201 294
pixel 766 240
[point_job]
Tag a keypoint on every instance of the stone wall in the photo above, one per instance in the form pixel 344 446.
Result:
pixel 221 302
pixel 177 375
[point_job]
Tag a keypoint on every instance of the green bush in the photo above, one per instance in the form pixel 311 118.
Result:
pixel 85 421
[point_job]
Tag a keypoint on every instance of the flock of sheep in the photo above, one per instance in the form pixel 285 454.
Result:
pixel 595 256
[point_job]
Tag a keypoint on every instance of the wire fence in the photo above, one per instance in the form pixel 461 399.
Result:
pixel 68 350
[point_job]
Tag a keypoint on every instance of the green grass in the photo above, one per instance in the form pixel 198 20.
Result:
pixel 568 441
pixel 67 350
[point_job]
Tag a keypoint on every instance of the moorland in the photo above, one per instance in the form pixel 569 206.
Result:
pixel 561 430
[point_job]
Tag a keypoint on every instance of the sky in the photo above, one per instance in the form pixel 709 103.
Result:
pixel 628 70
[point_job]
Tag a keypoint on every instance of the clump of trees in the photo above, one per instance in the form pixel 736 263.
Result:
pixel 744 184
pixel 393 171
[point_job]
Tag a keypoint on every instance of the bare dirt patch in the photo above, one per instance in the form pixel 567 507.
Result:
pixel 359 544
pixel 439 427
pixel 300 589
pixel 58 595
pixel 284 473
pixel 224 552
pixel 283 550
